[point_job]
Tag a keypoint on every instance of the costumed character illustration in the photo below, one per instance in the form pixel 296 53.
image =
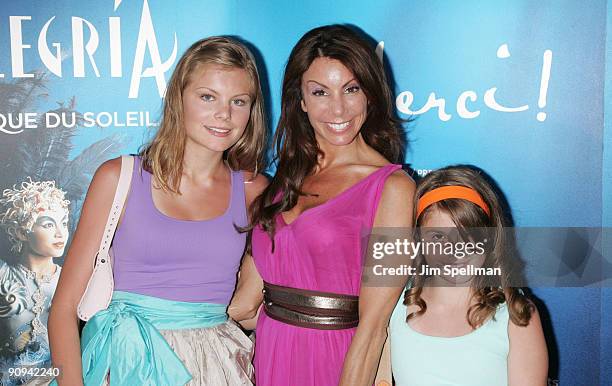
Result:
pixel 35 217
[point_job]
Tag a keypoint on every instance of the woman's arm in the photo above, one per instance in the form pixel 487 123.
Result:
pixel 384 375
pixel 78 266
pixel 248 296
pixel 377 303
pixel 528 356
pixel 251 324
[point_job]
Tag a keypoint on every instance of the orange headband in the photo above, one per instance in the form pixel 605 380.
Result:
pixel 446 192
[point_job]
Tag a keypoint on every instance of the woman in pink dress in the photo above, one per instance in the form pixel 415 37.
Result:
pixel 335 142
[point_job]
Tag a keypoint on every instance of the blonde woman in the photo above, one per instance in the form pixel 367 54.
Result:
pixel 177 248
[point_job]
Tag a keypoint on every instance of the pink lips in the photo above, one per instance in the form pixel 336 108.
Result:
pixel 339 128
pixel 218 133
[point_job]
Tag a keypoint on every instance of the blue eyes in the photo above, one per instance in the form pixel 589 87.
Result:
pixel 236 102
pixel 348 90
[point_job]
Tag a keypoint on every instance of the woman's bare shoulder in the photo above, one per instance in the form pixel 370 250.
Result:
pixel 254 185
pixel 109 171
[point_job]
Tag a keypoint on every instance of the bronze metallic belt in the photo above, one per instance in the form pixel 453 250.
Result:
pixel 311 309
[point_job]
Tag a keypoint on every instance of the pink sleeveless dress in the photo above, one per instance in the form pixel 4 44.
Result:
pixel 321 250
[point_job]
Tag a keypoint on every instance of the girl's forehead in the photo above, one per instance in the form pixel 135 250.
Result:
pixel 206 71
pixel 436 218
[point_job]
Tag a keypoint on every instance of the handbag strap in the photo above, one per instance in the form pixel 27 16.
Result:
pixel 127 167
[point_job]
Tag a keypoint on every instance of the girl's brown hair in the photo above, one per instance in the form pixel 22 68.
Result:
pixel 163 156
pixel 469 217
pixel 296 148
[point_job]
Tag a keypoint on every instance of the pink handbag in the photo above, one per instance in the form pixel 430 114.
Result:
pixel 99 291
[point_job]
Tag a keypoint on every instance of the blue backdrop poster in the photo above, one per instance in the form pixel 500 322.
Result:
pixel 518 88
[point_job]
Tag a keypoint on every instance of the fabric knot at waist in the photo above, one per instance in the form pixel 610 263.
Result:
pixel 311 309
pixel 124 339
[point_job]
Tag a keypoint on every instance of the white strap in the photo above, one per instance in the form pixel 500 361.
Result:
pixel 127 166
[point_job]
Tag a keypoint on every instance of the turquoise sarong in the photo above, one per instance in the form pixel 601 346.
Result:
pixel 124 339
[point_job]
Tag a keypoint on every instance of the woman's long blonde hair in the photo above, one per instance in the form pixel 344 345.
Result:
pixel 163 156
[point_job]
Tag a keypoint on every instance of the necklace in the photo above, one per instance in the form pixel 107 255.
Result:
pixel 38 328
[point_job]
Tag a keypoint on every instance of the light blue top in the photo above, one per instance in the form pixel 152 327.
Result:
pixel 479 358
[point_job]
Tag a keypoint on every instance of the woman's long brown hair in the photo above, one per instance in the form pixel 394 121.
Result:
pixel 297 151
pixel 469 217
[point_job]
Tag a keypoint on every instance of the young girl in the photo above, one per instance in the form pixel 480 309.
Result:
pixel 35 217
pixel 177 248
pixel 464 330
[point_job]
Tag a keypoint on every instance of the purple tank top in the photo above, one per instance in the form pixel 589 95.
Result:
pixel 189 261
